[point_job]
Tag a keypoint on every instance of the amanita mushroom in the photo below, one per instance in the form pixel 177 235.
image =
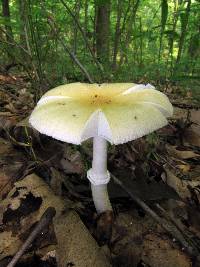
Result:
pixel 116 112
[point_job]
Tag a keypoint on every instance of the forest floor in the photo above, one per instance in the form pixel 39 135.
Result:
pixel 161 170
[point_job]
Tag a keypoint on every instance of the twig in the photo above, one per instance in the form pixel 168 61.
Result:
pixel 44 221
pixel 188 235
pixel 170 228
pixel 71 54
pixel 14 43
pixel 84 35
pixel 185 105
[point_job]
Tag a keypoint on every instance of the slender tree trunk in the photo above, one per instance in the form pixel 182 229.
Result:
pixel 8 31
pixel 164 15
pixel 126 15
pixel 171 40
pixel 84 35
pixel 6 16
pixel 125 19
pixel 130 22
pixel 85 30
pixel 103 30
pixel 184 24
pixel 22 7
pixel 77 10
pixel 117 34
pixel 86 17
pixel 141 43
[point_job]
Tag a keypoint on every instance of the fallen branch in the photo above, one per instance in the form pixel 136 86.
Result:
pixel 188 235
pixel 170 228
pixel 185 105
pixel 44 221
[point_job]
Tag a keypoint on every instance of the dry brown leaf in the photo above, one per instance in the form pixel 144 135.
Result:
pixel 18 218
pixel 192 134
pixel 7 121
pixel 182 154
pixel 159 251
pixel 10 163
pixel 185 168
pixel 75 245
pixel 71 161
pixel 180 186
pixel 192 137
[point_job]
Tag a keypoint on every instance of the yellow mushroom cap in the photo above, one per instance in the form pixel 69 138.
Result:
pixel 118 112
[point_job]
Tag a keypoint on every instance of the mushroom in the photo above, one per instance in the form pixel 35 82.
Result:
pixel 115 112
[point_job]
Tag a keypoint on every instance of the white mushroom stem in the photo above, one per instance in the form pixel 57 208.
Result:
pixel 99 175
pixel 101 198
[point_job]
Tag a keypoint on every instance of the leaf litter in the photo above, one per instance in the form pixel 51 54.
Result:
pixel 37 172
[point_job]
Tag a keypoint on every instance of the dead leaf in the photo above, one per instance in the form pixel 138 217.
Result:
pixel 159 251
pixel 182 154
pixel 71 161
pixel 140 186
pixel 22 208
pixel 75 245
pixel 192 137
pixel 11 162
pixel 180 186
pixel 192 134
pixel 7 121
pixel 185 168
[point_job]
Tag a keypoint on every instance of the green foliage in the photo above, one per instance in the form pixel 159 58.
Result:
pixel 147 31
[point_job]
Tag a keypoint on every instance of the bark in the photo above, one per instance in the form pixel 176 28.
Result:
pixel 183 31
pixel 129 22
pixel 86 17
pixel 117 34
pixel 164 15
pixel 171 41
pixel 141 43
pixel 6 16
pixel 77 10
pixel 23 14
pixel 103 31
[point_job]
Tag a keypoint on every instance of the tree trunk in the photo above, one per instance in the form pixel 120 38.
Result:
pixel 164 15
pixel 103 30
pixel 184 24
pixel 86 17
pixel 6 16
pixel 117 34
pixel 129 22
pixel 8 31
pixel 76 14
pixel 141 43
pixel 171 40
pixel 23 14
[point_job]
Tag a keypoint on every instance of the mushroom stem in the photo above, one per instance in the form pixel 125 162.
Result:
pixel 101 198
pixel 100 175
pixel 99 162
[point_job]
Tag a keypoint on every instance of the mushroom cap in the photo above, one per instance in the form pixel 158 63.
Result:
pixel 118 112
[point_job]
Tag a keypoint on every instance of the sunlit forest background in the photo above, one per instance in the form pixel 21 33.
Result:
pixel 56 42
